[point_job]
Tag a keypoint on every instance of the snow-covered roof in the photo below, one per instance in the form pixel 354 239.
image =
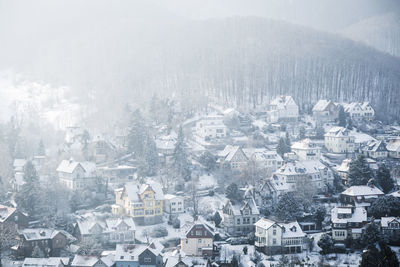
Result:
pixel 265 223
pixel 344 166
pixel 87 226
pixel 170 196
pixel 361 138
pixel 305 144
pixel 395 194
pixel 283 101
pixel 386 220
pixel 338 132
pixel 31 234
pixel 200 221
pixel 113 223
pixel 362 190
pixel 229 152
pixel 358 214
pixel 300 168
pixel 133 190
pixel 6 212
pixel 321 105
pixel 291 229
pixel 172 261
pixel 131 252
pixel 249 202
pixel 84 260
pixel 19 163
pixel 393 145
pixel 166 142
pixel 45 262
pixel 262 154
pixel 69 166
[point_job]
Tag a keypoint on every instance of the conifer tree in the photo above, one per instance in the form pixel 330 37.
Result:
pixel 384 180
pixel 359 172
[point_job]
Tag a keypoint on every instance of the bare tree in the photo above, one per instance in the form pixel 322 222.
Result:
pixel 7 239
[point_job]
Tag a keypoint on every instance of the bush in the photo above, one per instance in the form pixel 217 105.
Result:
pixel 159 231
pixel 176 223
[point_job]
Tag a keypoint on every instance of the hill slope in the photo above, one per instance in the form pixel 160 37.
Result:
pixel 381 32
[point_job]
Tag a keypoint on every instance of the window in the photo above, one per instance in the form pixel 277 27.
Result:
pixel 274 232
pixel 199 241
pixel 121 258
pixel 274 241
pixel 147 260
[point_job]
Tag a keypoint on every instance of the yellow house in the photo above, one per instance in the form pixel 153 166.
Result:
pixel 142 202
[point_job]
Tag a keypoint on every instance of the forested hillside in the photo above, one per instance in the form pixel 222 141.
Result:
pixel 123 53
pixel 381 32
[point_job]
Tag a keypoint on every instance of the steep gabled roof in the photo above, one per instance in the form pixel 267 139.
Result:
pixel 6 212
pixel 322 105
pixel 362 190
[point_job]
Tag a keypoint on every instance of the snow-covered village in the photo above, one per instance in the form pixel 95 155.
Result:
pixel 220 157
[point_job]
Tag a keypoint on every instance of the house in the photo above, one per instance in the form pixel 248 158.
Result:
pixel 375 150
pixel 46 262
pixel 239 218
pixel 306 150
pixel 17 180
pixel 174 204
pixel 360 195
pixel 301 173
pixel 76 175
pixel 165 147
pixel 117 174
pixel 339 140
pixel 393 147
pixel 143 202
pixel 359 111
pixel 234 156
pixel 112 230
pixel 348 221
pixel 343 169
pixel 92 261
pixel 211 127
pixel 139 255
pixel 11 218
pixel 267 160
pixel 49 241
pixel 177 261
pixel 198 239
pixel 283 108
pixel 325 111
pixel 277 238
pixel 103 150
pixel 390 227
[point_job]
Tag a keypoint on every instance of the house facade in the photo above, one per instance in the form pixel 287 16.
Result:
pixel 375 150
pixel 11 218
pixel 267 160
pixel 359 111
pixel 325 111
pixel 239 218
pixel 306 150
pixel 283 108
pixel 347 221
pixel 390 227
pixel 198 240
pixel 47 240
pixel 76 175
pixel 143 202
pixel 211 127
pixel 393 147
pixel 277 238
pixel 136 255
pixel 234 156
pixel 339 140
pixel 174 204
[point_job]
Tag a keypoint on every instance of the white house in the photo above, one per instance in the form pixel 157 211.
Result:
pixel 233 155
pixel 198 239
pixel 359 111
pixel 173 204
pixel 348 221
pixel 267 160
pixel 304 173
pixel 325 111
pixel 76 175
pixel 393 147
pixel 375 150
pixel 46 262
pixel 211 127
pixel 277 238
pixel 306 150
pixel 339 140
pixel 92 261
pixel 283 108
pixel 165 146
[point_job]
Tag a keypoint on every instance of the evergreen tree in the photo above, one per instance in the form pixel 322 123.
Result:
pixel 288 208
pixel 359 172
pixel 325 243
pixel 208 160
pixel 233 193
pixel 370 258
pixel 234 262
pixel 349 123
pixel 319 132
pixel 151 156
pixel 302 132
pixel 385 206
pixel 383 257
pixel 29 197
pixel 371 235
pixel 181 159
pixel 341 117
pixel 287 142
pixel 217 219
pixel 384 180
pixel 41 150
pixel 137 135
pixel 320 214
pixel 282 147
pixel 337 183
